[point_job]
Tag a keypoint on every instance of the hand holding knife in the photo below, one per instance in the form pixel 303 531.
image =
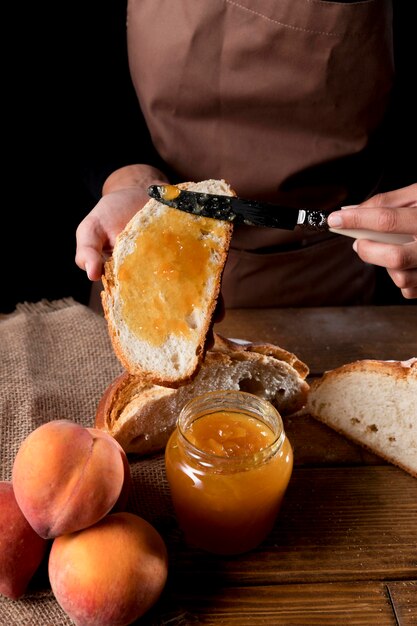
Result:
pixel 254 213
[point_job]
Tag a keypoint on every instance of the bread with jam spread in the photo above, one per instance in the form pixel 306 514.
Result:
pixel 373 403
pixel 141 416
pixel 161 286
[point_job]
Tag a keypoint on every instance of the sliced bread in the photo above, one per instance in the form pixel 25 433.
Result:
pixel 141 416
pixel 161 285
pixel 374 403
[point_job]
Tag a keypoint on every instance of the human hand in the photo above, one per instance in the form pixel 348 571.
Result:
pixel 124 194
pixel 97 233
pixel 392 212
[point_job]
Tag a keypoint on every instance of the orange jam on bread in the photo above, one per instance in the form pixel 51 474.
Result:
pixel 228 464
pixel 177 252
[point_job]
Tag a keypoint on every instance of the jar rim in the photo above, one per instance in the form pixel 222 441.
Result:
pixel 227 396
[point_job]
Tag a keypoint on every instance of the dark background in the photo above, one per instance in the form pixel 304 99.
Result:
pixel 68 94
pixel 68 98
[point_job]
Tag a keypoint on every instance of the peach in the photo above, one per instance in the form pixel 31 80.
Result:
pixel 67 477
pixel 110 573
pixel 21 548
pixel 122 500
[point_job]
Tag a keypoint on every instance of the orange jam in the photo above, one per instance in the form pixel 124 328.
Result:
pixel 169 192
pixel 228 464
pixel 177 252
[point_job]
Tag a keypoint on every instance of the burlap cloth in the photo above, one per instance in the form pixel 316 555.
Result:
pixel 56 360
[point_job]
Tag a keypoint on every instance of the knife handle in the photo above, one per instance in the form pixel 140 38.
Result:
pixel 373 235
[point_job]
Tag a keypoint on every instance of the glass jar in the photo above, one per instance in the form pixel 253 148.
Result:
pixel 228 464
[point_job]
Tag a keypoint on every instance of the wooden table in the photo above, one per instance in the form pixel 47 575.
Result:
pixel 344 549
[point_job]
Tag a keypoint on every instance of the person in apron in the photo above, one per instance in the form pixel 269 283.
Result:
pixel 288 102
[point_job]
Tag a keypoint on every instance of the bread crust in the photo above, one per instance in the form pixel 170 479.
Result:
pixel 158 372
pixel 222 344
pixel 386 415
pixel 394 369
pixel 141 416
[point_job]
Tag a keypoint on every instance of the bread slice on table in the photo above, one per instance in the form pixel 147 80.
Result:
pixel 374 403
pixel 161 285
pixel 141 416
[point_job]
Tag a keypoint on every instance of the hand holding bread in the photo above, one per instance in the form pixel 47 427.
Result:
pixel 161 288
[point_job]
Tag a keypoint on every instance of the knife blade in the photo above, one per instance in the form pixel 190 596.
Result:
pixel 255 213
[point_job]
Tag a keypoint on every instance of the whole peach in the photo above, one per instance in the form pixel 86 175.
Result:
pixel 111 573
pixel 67 477
pixel 21 548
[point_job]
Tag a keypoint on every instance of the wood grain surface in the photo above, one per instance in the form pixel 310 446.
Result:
pixel 327 604
pixel 327 337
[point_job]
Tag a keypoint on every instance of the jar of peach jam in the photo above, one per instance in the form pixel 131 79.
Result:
pixel 228 465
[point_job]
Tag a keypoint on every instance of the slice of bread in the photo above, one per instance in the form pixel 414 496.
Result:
pixel 141 416
pixel 374 403
pixel 161 285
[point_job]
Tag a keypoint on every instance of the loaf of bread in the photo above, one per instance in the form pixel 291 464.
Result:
pixel 141 416
pixel 374 403
pixel 161 286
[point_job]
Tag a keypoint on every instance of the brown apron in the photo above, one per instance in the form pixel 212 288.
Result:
pixel 286 101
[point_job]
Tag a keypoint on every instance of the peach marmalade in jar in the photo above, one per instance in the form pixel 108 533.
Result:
pixel 228 465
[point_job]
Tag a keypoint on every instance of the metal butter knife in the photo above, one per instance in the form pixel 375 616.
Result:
pixel 253 213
